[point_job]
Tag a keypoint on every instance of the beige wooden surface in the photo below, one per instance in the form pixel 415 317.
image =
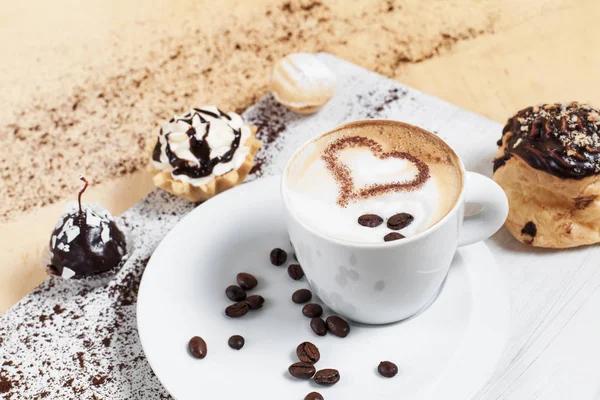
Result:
pixel 548 57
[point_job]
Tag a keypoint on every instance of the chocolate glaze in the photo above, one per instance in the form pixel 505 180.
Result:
pixel 501 161
pixel 560 139
pixel 87 254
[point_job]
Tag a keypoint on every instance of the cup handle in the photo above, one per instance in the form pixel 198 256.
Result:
pixel 494 209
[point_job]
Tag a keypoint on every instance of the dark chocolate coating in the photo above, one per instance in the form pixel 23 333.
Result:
pixel 560 139
pixel 88 255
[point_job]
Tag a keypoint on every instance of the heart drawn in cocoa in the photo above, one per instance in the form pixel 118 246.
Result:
pixel 343 175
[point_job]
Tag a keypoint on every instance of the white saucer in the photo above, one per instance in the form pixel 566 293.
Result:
pixel 446 352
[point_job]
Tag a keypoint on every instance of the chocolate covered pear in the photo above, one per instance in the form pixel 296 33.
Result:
pixel 86 243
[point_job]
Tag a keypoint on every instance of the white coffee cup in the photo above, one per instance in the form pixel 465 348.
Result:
pixel 391 281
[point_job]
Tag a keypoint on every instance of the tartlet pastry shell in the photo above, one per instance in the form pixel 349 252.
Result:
pixel 165 180
pixel 566 212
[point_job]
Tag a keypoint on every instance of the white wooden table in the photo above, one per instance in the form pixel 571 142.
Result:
pixel 554 347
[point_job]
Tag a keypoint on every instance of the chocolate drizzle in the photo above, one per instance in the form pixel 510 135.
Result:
pixel 342 173
pixel 173 159
pixel 224 115
pixel 212 114
pixel 156 152
pixel 562 140
pixel 200 148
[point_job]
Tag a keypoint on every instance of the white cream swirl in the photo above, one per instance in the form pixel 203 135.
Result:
pixel 201 144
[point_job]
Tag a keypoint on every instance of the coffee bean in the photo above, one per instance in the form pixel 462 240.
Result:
pixel 393 236
pixel 235 293
pixel 236 342
pixel 312 310
pixel 301 296
pixel 313 396
pixel 327 376
pixel 308 352
pixel 278 257
pixel 302 370
pixel 197 347
pixel 255 302
pixel 295 271
pixel 318 326
pixel 400 221
pixel 246 281
pixel 338 326
pixel 237 310
pixel 387 369
pixel 370 220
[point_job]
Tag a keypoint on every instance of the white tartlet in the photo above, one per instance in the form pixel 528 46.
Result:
pixel 217 131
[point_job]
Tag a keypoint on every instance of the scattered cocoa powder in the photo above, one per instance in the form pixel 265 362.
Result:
pixel 99 116
pixel 5 385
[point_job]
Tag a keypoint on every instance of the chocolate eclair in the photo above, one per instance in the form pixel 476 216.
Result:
pixel 548 163
pixel 203 152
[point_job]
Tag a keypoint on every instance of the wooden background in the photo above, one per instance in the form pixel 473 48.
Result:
pixel 550 56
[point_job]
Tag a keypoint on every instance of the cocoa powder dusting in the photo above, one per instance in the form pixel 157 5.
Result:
pixel 342 174
pixel 84 341
pixel 99 380
pixel 99 107
pixel 271 119
pixel 5 385
pixel 80 359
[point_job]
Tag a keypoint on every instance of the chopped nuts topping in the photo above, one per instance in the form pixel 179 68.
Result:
pixel 570 131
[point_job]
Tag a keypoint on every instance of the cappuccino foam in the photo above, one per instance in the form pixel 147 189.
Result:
pixel 373 167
